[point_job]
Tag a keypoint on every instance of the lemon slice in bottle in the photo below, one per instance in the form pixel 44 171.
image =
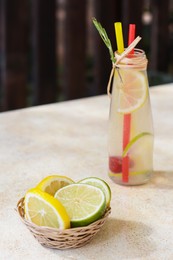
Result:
pixel 44 210
pixel 132 87
pixel 52 183
pixel 84 203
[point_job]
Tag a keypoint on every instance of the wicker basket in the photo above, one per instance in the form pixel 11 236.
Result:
pixel 62 239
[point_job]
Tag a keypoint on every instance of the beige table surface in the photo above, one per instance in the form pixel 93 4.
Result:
pixel 70 138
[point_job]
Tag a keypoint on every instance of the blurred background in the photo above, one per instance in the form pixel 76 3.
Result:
pixel 51 52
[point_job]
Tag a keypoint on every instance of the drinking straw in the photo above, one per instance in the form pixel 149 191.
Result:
pixel 125 160
pixel 127 119
pixel 132 28
pixel 119 37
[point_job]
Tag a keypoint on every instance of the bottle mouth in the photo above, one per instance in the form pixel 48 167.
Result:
pixel 136 60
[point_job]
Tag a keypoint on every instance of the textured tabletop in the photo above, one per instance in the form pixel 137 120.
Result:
pixel 70 138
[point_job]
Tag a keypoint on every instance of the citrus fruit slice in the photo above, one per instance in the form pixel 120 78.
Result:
pixel 52 183
pixel 44 210
pixel 84 203
pixel 132 87
pixel 140 152
pixel 133 141
pixel 97 182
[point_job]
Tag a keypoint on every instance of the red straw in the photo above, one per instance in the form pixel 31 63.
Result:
pixel 127 119
pixel 132 28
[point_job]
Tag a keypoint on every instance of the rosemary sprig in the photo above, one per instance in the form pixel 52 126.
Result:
pixel 105 38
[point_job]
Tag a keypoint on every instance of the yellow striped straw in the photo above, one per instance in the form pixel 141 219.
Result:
pixel 119 36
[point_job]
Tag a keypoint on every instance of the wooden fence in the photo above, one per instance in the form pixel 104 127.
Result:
pixel 50 51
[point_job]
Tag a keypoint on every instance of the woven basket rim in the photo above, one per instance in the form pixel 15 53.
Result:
pixel 20 211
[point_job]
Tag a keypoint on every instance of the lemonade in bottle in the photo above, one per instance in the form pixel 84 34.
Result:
pixel 130 137
pixel 130 124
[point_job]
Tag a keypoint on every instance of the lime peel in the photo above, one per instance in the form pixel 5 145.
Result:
pixel 84 203
pixel 131 173
pixel 97 182
pixel 134 140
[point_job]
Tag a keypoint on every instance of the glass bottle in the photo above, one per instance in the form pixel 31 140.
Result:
pixel 130 137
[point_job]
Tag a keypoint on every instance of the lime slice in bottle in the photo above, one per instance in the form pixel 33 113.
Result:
pixel 139 151
pixel 97 182
pixel 134 140
pixel 84 203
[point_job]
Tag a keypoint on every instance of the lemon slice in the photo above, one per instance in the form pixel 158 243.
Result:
pixel 132 87
pixel 52 183
pixel 44 210
pixel 84 203
pixel 97 182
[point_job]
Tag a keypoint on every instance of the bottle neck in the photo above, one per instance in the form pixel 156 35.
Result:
pixel 137 60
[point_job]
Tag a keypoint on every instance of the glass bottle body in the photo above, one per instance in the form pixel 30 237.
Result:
pixel 130 138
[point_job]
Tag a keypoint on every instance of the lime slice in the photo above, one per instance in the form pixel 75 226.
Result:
pixel 97 182
pixel 140 152
pixel 132 87
pixel 134 140
pixel 131 173
pixel 44 210
pixel 52 183
pixel 84 203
